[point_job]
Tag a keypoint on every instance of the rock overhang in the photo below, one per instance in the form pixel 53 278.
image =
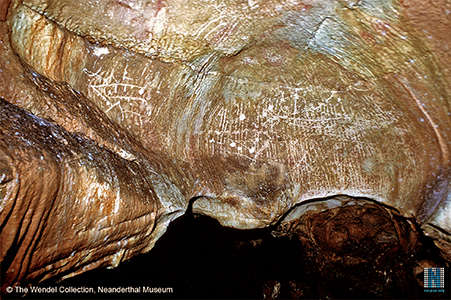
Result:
pixel 253 132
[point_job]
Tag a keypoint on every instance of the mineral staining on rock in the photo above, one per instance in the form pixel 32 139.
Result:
pixel 252 107
pixel 285 101
pixel 67 204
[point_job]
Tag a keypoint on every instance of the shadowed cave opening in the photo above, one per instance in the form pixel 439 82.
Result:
pixel 200 259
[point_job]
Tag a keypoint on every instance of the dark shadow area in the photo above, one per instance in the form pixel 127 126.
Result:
pixel 199 259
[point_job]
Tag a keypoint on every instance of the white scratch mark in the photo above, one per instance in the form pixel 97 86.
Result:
pixel 117 202
pixel 99 51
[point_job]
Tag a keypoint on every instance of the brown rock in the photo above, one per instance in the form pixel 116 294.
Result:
pixel 67 204
pixel 4 4
pixel 252 109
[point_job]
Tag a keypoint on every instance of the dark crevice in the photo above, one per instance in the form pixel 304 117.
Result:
pixel 200 259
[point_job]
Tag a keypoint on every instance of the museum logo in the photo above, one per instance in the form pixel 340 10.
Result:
pixel 434 280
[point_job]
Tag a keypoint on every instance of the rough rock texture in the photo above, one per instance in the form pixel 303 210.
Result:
pixel 354 236
pixel 362 111
pixel 353 247
pixel 56 186
pixel 76 195
pixel 251 108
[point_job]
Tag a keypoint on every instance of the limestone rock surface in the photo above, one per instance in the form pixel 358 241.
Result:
pixel 250 108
